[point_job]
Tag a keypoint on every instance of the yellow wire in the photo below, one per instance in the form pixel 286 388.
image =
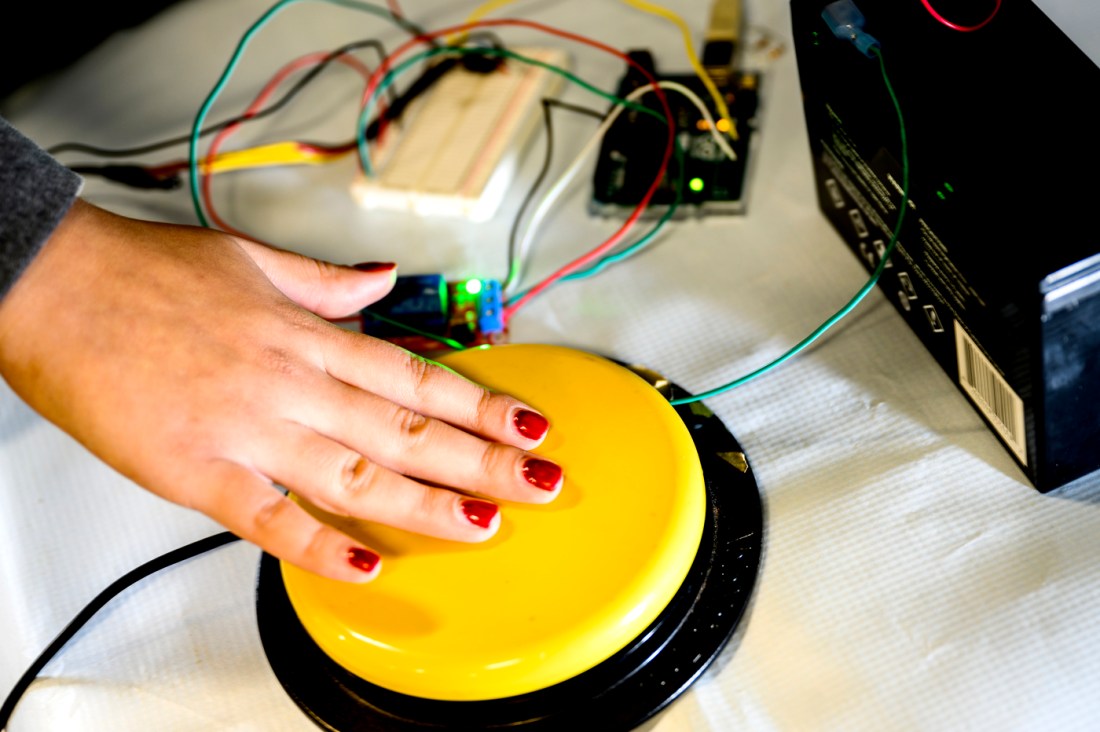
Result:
pixel 485 8
pixel 276 153
pixel 696 65
pixel 723 111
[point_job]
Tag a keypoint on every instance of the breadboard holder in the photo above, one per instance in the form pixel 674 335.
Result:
pixel 460 148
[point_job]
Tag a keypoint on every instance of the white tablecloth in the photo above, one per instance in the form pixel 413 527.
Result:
pixel 912 579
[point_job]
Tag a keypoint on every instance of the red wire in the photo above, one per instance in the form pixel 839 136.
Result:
pixel 311 59
pixel 615 238
pixel 374 79
pixel 955 26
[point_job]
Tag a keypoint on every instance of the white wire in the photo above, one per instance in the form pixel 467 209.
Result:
pixel 555 191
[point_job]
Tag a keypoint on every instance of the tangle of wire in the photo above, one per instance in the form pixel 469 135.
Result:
pixel 385 74
pixel 384 70
pixel 514 264
pixel 268 89
pixel 231 66
pixel 301 152
pixel 644 241
pixel 301 84
pixel 661 12
pixel 404 66
pixel 571 171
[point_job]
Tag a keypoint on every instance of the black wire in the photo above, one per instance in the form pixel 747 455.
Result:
pixel 135 176
pixel 115 588
pixel 547 103
pixel 210 129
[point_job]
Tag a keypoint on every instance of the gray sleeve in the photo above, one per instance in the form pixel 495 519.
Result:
pixel 35 193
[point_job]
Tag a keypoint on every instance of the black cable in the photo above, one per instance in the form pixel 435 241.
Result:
pixel 115 588
pixel 547 103
pixel 134 176
pixel 210 129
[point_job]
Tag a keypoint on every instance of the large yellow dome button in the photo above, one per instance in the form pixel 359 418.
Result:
pixel 562 586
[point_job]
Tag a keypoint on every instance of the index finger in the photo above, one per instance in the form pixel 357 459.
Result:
pixel 433 390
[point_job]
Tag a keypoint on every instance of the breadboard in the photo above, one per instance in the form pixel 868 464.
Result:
pixel 458 150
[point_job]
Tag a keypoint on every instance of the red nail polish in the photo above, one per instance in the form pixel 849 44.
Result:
pixel 531 425
pixel 363 559
pixel 480 513
pixel 375 266
pixel 542 473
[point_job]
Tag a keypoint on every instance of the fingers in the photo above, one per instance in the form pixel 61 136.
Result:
pixel 342 481
pixel 250 507
pixel 327 289
pixel 432 390
pixel 432 450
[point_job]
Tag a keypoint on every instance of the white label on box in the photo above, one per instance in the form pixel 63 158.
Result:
pixel 991 393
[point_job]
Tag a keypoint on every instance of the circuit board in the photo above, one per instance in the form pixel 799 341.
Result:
pixel 457 153
pixel 632 149
pixel 426 314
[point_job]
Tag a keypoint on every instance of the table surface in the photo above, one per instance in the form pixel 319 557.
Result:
pixel 912 579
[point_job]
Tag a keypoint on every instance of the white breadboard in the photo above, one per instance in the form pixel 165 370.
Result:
pixel 457 150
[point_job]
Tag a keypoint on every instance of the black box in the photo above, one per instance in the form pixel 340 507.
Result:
pixel 997 267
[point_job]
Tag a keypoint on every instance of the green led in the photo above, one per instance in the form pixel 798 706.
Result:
pixel 948 187
pixel 696 184
pixel 473 286
pixel 939 194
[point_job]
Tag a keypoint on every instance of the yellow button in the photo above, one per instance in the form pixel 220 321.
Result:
pixel 562 586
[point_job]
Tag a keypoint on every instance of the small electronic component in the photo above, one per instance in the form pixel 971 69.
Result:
pixel 460 148
pixel 631 153
pixel 426 314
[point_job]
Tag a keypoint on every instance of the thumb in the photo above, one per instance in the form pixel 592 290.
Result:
pixel 329 290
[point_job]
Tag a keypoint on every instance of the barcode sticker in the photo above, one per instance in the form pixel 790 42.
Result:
pixel 991 393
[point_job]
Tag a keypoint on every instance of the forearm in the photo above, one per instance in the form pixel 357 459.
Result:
pixel 35 193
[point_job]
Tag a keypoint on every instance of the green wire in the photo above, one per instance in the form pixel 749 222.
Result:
pixel 862 292
pixel 449 342
pixel 364 115
pixel 200 118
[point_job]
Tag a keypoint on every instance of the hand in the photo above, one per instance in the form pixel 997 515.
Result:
pixel 196 364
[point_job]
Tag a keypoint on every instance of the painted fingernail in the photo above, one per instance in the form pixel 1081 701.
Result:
pixel 375 266
pixel 363 559
pixel 531 425
pixel 480 513
pixel 542 473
